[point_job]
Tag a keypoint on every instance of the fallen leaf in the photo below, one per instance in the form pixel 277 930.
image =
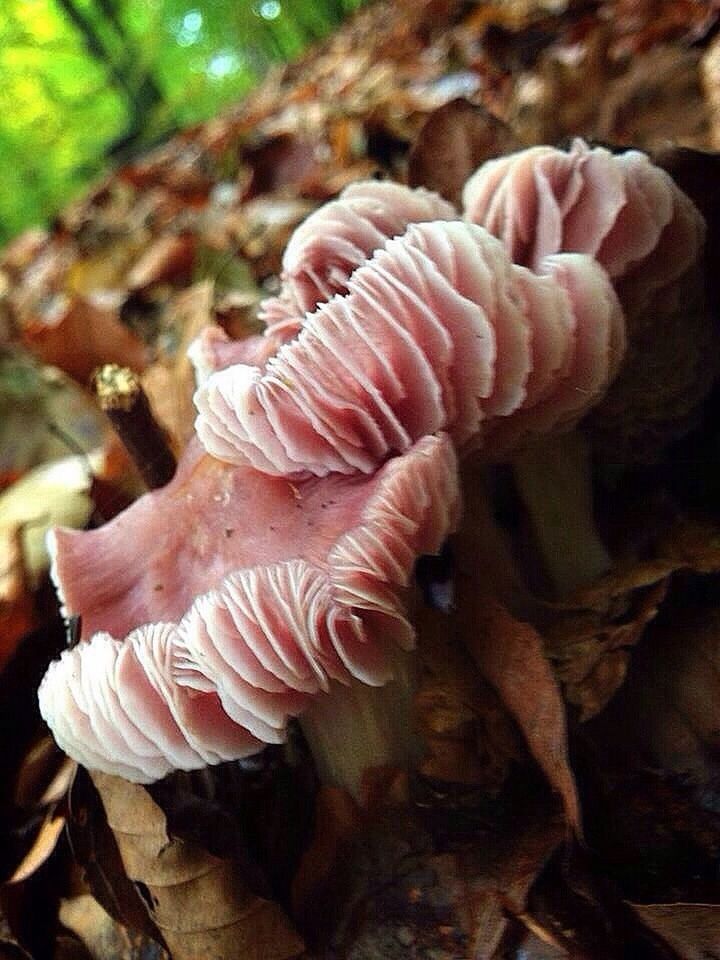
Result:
pixel 42 848
pixel 170 381
pixel 200 903
pixel 466 734
pixel 453 142
pixel 169 258
pixel 590 646
pixel 17 607
pixel 510 656
pixel 691 929
pixel 104 937
pixel 44 776
pixel 51 495
pixel 79 335
pixel 95 849
pixel 43 415
pixel 401 889
pixel 673 695
pixel 279 162
pixel 640 107
pixel 337 815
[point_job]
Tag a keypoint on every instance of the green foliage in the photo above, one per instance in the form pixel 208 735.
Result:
pixel 91 82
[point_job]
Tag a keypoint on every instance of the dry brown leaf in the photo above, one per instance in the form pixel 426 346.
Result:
pixel 466 733
pixel 642 24
pixel 396 891
pixel 44 776
pixel 17 608
pixel 43 846
pixel 590 647
pixel 170 381
pixel 169 258
pixel 104 938
pixel 452 143
pixel 640 108
pixel 590 637
pixel 511 657
pixel 692 930
pixel 79 335
pixel 337 815
pixel 201 904
pixel 280 161
pixel 672 697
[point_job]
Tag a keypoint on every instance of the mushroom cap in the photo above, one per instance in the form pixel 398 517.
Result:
pixel 630 215
pixel 238 597
pixel 619 208
pixel 332 242
pixel 438 331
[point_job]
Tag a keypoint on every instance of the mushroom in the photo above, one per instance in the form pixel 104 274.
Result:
pixel 438 331
pixel 328 472
pixel 619 208
pixel 631 217
pixel 331 243
pixel 629 214
pixel 219 606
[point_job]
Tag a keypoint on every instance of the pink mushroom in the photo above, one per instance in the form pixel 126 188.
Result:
pixel 238 597
pixel 438 331
pixel 328 247
pixel 619 208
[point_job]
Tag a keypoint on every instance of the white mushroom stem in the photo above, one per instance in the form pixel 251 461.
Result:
pixel 554 479
pixel 354 728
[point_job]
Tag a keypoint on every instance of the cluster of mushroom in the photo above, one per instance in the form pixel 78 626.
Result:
pixel 276 562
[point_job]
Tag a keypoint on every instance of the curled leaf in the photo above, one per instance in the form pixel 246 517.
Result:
pixel 200 903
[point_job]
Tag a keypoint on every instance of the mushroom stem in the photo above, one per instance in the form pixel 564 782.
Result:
pixel 123 399
pixel 554 480
pixel 352 729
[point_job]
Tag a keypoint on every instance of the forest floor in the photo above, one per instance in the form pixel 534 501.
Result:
pixel 568 800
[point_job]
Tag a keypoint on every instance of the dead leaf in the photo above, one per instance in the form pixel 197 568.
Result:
pixel 452 143
pixel 466 733
pixel 79 335
pixel 200 903
pixel 104 938
pixel 56 493
pixel 279 162
pixel 44 776
pixel 691 929
pixel 42 848
pixel 640 108
pixel 590 646
pixel 17 608
pixel 673 695
pixel 170 381
pixel 337 815
pixel 169 258
pixel 96 851
pixel 510 656
pixel 399 889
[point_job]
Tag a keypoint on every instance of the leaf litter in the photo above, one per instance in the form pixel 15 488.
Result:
pixel 594 716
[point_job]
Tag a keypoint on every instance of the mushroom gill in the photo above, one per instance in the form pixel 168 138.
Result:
pixel 438 331
pixel 240 598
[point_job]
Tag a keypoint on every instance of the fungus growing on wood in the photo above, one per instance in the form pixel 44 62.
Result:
pixel 328 247
pixel 438 331
pixel 217 607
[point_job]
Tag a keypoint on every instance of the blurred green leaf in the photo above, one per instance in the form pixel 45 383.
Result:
pixel 90 82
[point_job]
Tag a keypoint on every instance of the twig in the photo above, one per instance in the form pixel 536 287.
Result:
pixel 123 399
